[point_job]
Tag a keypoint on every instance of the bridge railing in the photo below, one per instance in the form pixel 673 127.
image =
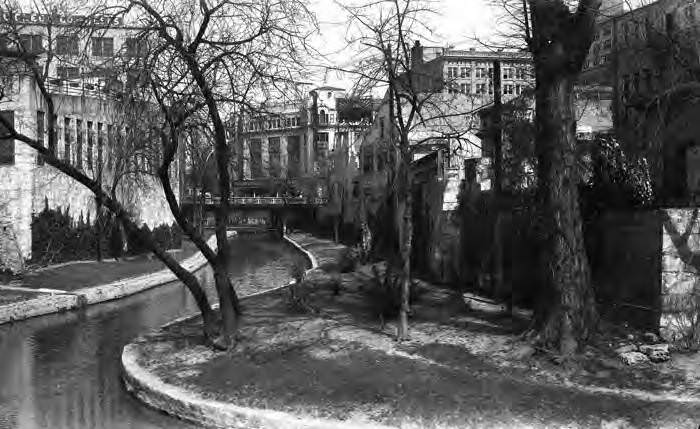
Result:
pixel 260 201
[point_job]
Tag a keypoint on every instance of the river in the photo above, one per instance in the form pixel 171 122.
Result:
pixel 62 370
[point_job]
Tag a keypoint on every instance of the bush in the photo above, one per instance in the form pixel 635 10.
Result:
pixel 682 326
pixel 56 237
pixel 384 294
pixel 116 242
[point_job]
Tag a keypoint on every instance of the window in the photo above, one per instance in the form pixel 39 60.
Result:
pixel 100 145
pixel 465 88
pixel 40 134
pixel 53 134
pixel 67 72
pixel 7 145
pixel 90 143
pixel 689 13
pixel 607 31
pixel 323 117
pixel 508 73
pixel 110 146
pixel 603 59
pixel 648 86
pixel 381 127
pixel 607 44
pixel 669 23
pixel 66 45
pixel 133 47
pixel 332 118
pixel 518 89
pixel 79 143
pixel 508 89
pixel 274 154
pixel 102 46
pixel 31 42
pixel 520 73
pixel 451 72
pixel 480 88
pixel 480 73
pixel 465 72
pixel 256 169
pixel 635 82
pixel 625 86
pixel 67 139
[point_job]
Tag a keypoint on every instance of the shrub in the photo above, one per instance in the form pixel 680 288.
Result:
pixel 682 326
pixel 298 291
pixel 176 236
pixel 116 242
pixel 384 294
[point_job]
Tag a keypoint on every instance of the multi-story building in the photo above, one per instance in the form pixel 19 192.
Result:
pixel 651 54
pixel 297 139
pixel 470 72
pixel 90 118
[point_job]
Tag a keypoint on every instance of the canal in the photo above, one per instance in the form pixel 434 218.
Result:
pixel 62 370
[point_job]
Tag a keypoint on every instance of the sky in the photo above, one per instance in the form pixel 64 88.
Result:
pixel 457 22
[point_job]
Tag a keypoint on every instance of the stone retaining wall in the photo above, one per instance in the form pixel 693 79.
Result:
pixel 54 303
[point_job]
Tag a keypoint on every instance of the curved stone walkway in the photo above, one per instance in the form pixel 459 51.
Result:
pixel 55 301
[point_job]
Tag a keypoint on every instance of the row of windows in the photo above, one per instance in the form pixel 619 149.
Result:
pixel 69 45
pixel 482 88
pixel 79 138
pixel 508 73
pixel 274 123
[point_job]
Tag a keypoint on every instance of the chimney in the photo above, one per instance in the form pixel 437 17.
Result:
pixel 416 54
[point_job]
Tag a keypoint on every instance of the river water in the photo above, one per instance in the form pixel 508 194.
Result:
pixel 62 370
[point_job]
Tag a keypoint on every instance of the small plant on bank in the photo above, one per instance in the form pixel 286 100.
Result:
pixel 683 325
pixel 384 294
pixel 298 291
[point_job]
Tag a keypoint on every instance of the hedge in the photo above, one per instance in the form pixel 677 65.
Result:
pixel 57 237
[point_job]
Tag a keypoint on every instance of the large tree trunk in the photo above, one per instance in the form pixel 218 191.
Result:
pixel 566 313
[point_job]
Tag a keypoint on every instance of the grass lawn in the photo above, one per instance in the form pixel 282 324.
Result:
pixel 457 371
pixel 79 275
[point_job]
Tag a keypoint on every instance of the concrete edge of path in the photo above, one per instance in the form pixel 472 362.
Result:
pixel 55 303
pixel 188 405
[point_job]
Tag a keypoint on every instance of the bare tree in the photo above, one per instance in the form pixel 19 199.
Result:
pixel 217 58
pixel 204 60
pixel 418 110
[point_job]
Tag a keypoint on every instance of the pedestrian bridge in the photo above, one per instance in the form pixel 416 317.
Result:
pixel 256 202
pixel 252 213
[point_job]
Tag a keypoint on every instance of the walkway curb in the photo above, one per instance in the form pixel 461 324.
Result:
pixel 190 406
pixel 55 303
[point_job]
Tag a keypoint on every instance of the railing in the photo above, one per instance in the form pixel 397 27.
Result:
pixel 260 201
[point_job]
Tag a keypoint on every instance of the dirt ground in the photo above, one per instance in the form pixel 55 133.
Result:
pixel 461 368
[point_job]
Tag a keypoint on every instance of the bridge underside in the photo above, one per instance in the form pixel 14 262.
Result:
pixel 251 217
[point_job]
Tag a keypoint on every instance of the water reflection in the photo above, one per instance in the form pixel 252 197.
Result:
pixel 62 371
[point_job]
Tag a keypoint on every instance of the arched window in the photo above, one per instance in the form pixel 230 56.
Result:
pixel 323 117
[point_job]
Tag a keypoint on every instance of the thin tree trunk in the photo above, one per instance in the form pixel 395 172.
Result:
pixel 566 314
pixel 406 236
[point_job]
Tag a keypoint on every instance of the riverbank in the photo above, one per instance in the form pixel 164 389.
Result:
pixel 334 367
pixel 19 303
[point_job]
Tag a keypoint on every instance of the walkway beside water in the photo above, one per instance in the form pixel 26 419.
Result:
pixel 19 303
pixel 62 371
